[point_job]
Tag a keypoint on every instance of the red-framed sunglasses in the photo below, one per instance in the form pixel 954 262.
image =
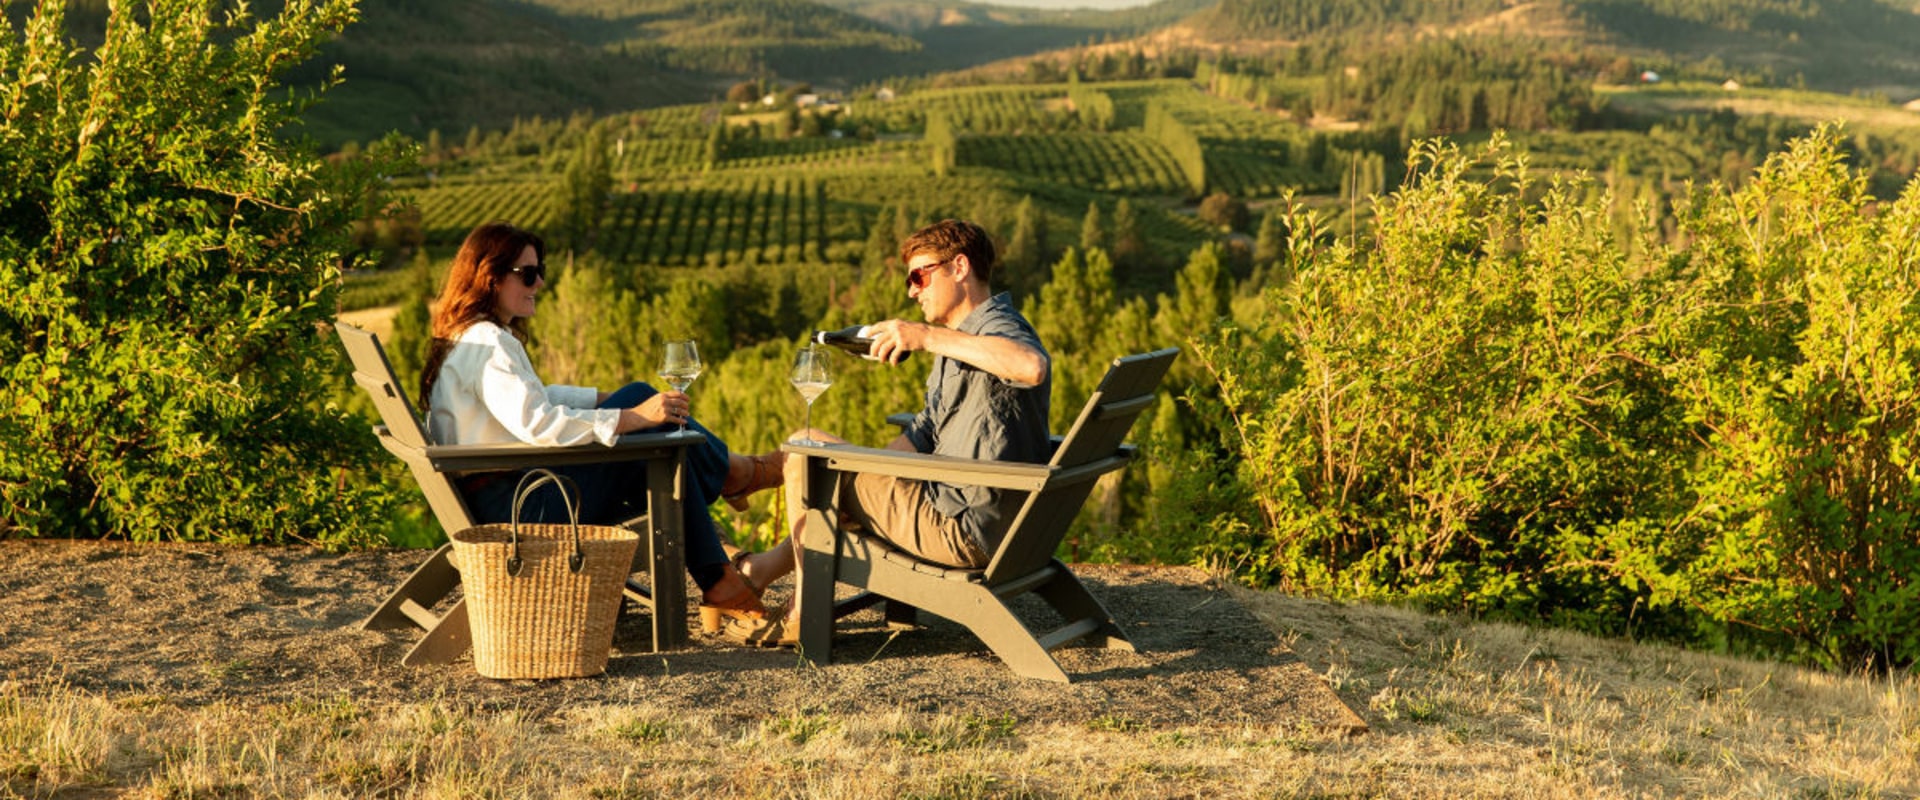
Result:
pixel 917 276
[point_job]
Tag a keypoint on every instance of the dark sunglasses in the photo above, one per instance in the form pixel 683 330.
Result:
pixel 530 275
pixel 917 276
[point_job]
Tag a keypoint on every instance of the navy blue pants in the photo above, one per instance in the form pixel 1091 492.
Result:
pixel 615 492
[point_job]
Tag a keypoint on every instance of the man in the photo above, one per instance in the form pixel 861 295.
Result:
pixel 987 398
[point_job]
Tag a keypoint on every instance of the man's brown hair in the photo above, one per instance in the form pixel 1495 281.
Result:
pixel 953 237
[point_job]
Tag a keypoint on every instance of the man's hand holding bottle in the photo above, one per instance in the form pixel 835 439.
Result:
pixel 889 341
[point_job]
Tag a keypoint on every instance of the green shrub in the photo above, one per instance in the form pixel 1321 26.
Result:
pixel 1501 407
pixel 1801 374
pixel 170 263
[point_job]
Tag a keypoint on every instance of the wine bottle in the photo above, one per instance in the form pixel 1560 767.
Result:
pixel 856 339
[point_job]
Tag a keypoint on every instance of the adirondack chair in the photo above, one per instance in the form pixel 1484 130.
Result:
pixel 1023 563
pixel 447 635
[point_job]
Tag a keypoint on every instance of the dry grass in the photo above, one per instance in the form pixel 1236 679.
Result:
pixel 1457 709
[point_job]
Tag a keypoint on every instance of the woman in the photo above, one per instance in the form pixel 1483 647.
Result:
pixel 479 387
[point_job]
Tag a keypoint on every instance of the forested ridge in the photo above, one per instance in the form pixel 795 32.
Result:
pixel 438 64
pixel 1837 45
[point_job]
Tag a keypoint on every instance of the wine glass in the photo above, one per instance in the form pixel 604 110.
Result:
pixel 810 377
pixel 680 367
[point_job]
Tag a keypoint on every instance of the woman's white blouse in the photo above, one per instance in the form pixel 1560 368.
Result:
pixel 487 394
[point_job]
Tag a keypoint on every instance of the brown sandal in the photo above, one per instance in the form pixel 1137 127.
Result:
pixel 733 598
pixel 749 474
pixel 770 631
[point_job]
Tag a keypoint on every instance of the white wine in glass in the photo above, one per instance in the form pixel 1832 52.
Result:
pixel 810 378
pixel 681 367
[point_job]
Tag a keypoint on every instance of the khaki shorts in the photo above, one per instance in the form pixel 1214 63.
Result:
pixel 899 512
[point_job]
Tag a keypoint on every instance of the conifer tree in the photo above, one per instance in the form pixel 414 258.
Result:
pixel 1129 243
pixel 581 196
pixel 1093 232
pixel 881 242
pixel 716 148
pixel 412 326
pixel 1202 299
pixel 1270 248
pixel 573 342
pixel 943 143
pixel 1023 266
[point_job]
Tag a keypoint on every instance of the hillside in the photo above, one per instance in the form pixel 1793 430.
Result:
pixel 1836 45
pixel 420 65
pixel 450 65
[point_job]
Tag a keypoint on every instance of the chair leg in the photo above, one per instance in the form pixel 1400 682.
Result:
pixel 1070 597
pixel 446 642
pixel 819 558
pixel 425 587
pixel 902 615
pixel 1010 639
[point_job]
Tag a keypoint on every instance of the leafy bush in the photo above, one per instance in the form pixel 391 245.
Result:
pixel 1802 374
pixel 171 262
pixel 1504 408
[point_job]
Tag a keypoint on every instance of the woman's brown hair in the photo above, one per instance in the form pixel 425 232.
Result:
pixel 486 257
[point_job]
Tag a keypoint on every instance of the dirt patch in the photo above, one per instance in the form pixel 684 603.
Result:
pixel 202 624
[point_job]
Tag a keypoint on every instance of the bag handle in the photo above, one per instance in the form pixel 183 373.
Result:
pixel 571 500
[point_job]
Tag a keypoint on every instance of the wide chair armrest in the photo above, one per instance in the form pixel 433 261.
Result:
pixel 903 419
pixel 469 457
pixel 922 466
pixel 947 469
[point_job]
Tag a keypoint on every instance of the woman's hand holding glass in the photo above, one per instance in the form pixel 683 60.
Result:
pixel 665 408
pixel 661 409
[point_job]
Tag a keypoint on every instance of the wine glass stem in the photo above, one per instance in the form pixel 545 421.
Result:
pixel 806 428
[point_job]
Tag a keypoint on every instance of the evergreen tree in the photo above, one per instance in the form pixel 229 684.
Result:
pixel 581 196
pixel 1129 242
pixel 881 242
pixel 943 143
pixel 1093 232
pixel 412 327
pixel 1270 248
pixel 1203 298
pixel 573 342
pixel 716 148
pixel 1023 265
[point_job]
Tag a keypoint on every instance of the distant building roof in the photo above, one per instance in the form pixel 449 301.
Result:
pixel 1649 77
pixel 1731 85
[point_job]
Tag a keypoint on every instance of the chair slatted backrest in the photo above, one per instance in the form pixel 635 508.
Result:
pixel 374 373
pixel 1128 388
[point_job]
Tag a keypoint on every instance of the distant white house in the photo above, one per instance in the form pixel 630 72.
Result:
pixel 884 95
pixel 1649 77
pixel 1731 85
pixel 806 100
pixel 1913 106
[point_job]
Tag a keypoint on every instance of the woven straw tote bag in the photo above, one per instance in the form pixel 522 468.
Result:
pixel 542 599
